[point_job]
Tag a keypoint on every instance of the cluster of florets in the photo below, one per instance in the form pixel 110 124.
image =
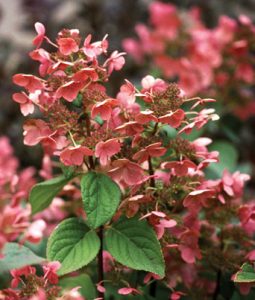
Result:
pixel 27 285
pixel 216 61
pixel 17 225
pixel 15 221
pixel 79 119
pixel 138 139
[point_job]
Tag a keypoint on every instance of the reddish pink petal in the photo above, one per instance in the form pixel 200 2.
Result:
pixel 69 90
pixel 105 150
pixel 75 155
pixel 40 29
pixel 128 291
pixel 67 46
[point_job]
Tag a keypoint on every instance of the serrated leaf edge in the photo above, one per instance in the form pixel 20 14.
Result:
pixel 95 224
pixel 59 272
pixel 141 269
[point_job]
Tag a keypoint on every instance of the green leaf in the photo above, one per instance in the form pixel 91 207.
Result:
pixel 16 256
pixel 78 101
pixel 43 193
pixel 134 244
pixel 87 288
pixel 68 172
pixel 167 133
pixel 73 244
pixel 246 274
pixel 227 159
pixel 99 120
pixel 101 197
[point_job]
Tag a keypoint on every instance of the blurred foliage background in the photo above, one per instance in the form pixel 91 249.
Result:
pixel 99 17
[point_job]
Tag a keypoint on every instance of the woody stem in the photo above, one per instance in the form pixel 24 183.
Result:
pixel 219 273
pixel 88 125
pixel 153 286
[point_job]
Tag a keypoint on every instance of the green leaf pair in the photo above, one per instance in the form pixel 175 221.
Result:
pixel 75 243
pixel 131 242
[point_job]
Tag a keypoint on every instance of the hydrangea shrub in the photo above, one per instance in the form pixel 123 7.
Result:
pixel 136 207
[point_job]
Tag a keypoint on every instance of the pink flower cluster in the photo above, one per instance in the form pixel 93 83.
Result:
pixel 215 62
pixel 15 221
pixel 203 225
pixel 27 285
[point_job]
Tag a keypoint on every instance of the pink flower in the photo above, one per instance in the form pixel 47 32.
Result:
pixel 176 295
pixel 104 108
pixel 50 271
pixel 13 222
pixel 127 97
pixel 29 82
pixel 195 199
pixel 145 116
pixel 73 294
pixel 246 215
pixel 162 225
pixel 163 176
pixel 189 247
pixel 128 291
pixel 233 183
pixel 85 75
pixel 160 221
pixel 74 155
pixel 115 62
pixel 17 273
pixel 40 295
pixel 105 150
pixel 44 58
pixel 204 116
pixel 164 15
pixel 69 90
pixel 96 48
pixel 35 131
pixel 67 46
pixel 130 128
pixel 40 29
pixel 153 150
pixel 202 102
pixel 173 119
pixel 200 120
pixel 108 261
pixel 34 232
pixel 26 105
pixel 150 85
pixel 150 276
pixel 245 72
pixel 126 171
pixel 180 168
pixel 100 287
pixel 250 255
pixel 133 48
pixel 46 170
